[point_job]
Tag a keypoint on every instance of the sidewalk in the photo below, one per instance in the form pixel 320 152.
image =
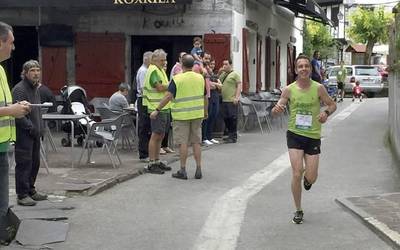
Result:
pixel 85 178
pixel 381 213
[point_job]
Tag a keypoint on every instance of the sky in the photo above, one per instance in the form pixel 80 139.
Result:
pixel 375 2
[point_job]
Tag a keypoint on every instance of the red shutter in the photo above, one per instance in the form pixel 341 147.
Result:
pixel 219 46
pixel 290 64
pixel 268 63
pixel 258 65
pixel 278 65
pixel 54 68
pixel 100 62
pixel 245 59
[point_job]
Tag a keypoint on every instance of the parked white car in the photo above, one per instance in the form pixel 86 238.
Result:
pixel 369 77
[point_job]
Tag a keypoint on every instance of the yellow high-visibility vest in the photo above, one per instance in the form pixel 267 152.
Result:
pixel 151 96
pixel 7 123
pixel 188 103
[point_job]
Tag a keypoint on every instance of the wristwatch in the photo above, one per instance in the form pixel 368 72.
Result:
pixel 327 112
pixel 157 109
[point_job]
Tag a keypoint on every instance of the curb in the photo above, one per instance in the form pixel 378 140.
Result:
pixel 379 228
pixel 108 183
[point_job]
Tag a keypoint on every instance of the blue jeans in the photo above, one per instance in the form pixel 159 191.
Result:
pixel 3 184
pixel 213 109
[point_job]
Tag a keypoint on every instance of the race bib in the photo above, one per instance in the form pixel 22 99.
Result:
pixel 304 120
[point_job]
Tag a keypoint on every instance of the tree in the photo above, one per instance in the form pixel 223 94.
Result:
pixel 316 36
pixel 369 26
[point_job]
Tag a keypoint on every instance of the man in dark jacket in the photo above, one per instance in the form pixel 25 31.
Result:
pixel 28 128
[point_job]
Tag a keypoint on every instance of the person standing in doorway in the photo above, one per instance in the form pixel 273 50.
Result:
pixel 304 128
pixel 316 67
pixel 8 111
pixel 177 68
pixel 155 88
pixel 214 86
pixel 144 126
pixel 189 108
pixel 29 129
pixel 231 89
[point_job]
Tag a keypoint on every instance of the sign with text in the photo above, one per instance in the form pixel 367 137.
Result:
pixel 89 3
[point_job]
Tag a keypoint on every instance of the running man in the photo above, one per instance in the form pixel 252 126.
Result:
pixel 304 128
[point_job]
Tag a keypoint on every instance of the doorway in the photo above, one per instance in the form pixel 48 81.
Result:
pixel 26 48
pixel 172 45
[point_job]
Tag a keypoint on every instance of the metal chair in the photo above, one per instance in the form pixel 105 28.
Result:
pixel 128 125
pixel 106 133
pixel 260 112
pixel 105 112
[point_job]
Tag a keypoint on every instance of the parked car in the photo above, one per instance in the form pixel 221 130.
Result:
pixel 368 75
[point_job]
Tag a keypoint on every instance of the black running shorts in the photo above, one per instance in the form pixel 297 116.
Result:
pixel 340 85
pixel 309 145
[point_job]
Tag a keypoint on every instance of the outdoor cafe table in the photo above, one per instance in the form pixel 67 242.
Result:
pixel 66 117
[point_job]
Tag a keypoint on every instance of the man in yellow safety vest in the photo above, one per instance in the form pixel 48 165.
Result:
pixel 189 107
pixel 8 112
pixel 155 87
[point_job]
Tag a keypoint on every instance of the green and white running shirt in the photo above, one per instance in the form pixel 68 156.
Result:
pixel 304 108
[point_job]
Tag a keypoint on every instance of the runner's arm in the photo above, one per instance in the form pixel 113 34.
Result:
pixel 327 100
pixel 283 100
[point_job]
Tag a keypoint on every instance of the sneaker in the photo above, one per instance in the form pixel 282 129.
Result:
pixel 180 175
pixel 26 201
pixel 168 150
pixel 214 141
pixel 198 174
pixel 162 151
pixel 306 184
pixel 39 197
pixel 207 143
pixel 298 217
pixel 154 169
pixel 161 165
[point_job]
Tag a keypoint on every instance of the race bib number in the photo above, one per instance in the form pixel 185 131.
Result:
pixel 304 120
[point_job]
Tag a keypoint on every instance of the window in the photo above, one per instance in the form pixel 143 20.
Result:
pixel 366 71
pixel 334 14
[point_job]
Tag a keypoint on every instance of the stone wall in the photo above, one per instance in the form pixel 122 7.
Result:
pixel 394 84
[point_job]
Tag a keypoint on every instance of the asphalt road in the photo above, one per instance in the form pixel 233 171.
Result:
pixel 244 200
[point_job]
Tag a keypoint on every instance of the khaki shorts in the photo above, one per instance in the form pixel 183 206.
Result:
pixel 187 132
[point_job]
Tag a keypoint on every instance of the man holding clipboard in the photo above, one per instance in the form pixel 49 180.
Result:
pixel 28 128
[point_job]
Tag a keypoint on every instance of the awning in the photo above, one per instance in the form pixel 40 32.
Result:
pixel 309 8
pixel 90 3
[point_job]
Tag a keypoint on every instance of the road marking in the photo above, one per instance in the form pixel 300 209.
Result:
pixel 223 224
pixel 222 227
pixel 346 112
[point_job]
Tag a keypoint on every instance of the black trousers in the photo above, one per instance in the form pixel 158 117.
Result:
pixel 230 115
pixel 27 159
pixel 144 129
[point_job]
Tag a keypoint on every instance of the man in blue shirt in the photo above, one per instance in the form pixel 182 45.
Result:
pixel 316 67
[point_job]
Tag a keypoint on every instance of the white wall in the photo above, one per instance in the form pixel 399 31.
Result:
pixel 281 20
pixel 238 22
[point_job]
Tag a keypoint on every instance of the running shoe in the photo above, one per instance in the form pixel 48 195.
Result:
pixel 298 217
pixel 306 184
pixel 163 166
